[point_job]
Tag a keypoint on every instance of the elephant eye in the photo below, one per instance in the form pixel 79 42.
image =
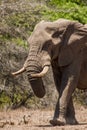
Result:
pixel 57 34
pixel 46 45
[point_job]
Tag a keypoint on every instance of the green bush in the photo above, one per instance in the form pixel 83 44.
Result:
pixel 69 9
pixel 19 41
pixel 4 100
pixel 63 2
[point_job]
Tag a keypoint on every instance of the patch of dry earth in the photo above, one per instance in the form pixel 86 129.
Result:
pixel 25 119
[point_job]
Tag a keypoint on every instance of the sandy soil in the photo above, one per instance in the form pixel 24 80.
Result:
pixel 25 119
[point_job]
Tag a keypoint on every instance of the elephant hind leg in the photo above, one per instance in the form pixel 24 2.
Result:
pixel 70 114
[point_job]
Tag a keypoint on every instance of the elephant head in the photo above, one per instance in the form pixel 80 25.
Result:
pixel 47 43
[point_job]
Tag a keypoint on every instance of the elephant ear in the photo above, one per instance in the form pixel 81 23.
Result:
pixel 65 56
pixel 63 37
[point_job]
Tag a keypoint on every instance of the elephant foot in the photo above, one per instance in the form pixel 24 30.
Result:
pixel 62 121
pixel 72 121
pixel 58 121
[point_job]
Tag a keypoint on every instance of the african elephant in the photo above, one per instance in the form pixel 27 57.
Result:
pixel 61 44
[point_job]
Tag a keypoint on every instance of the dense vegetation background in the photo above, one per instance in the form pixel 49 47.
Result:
pixel 22 15
pixel 17 20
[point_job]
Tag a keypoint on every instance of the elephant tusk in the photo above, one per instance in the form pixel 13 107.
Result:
pixel 42 73
pixel 19 71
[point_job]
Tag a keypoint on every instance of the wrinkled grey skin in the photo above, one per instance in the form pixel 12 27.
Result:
pixel 62 44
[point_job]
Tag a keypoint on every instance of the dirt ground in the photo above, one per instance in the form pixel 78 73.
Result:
pixel 25 119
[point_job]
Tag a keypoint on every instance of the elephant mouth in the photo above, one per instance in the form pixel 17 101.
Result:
pixel 42 73
pixel 38 87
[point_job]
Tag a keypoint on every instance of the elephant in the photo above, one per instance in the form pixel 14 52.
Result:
pixel 61 44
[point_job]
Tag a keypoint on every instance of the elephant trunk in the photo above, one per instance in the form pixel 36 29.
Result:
pixel 35 70
pixel 38 87
pixel 35 82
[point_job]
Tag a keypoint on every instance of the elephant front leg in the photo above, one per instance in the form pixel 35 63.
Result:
pixel 63 101
pixel 68 84
pixel 57 80
pixel 55 120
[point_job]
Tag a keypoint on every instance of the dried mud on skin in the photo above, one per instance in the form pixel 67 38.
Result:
pixel 25 119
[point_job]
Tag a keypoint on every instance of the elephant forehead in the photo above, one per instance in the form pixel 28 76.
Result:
pixel 39 35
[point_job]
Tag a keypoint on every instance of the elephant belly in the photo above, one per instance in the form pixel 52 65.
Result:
pixel 82 83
